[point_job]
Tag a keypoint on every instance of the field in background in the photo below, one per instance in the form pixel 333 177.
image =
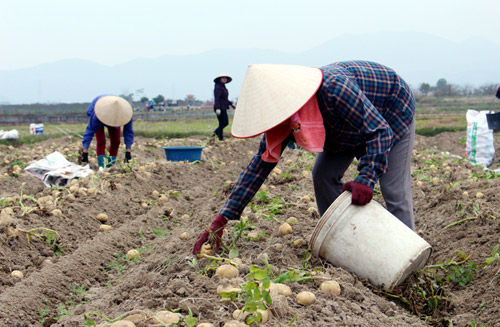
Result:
pixel 434 115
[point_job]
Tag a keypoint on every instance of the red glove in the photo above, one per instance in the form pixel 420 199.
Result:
pixel 361 193
pixel 217 226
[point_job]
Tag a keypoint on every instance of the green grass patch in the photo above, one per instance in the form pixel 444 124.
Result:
pixel 175 128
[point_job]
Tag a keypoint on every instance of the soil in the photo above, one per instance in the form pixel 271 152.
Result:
pixel 91 279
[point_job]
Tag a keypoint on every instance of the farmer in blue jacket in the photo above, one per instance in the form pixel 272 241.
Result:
pixel 111 112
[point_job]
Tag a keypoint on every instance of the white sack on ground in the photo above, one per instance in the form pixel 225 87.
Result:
pixel 13 134
pixel 55 170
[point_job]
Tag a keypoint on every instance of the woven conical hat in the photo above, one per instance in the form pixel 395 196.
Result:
pixel 113 111
pixel 229 79
pixel 270 94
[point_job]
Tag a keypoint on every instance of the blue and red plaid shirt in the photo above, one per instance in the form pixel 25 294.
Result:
pixel 366 109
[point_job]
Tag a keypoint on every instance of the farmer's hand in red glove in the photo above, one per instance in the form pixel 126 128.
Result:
pixel 217 228
pixel 361 193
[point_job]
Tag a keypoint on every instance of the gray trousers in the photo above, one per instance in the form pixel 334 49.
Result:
pixel 395 184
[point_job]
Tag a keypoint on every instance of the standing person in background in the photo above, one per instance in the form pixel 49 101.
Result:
pixel 498 93
pixel 112 112
pixel 342 111
pixel 221 103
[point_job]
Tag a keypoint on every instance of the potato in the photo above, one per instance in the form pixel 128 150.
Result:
pixel 144 205
pixel 306 198
pixel 235 323
pixel 57 213
pixel 479 195
pixel 163 198
pixel 420 183
pixel 205 324
pixel 253 235
pixel 227 271
pixel 47 262
pixel 280 289
pixel 237 261
pixel 278 246
pixel 132 254
pixel 102 217
pixel 331 287
pixel 227 289
pixel 298 242
pixel 465 194
pixel 292 220
pixel 91 191
pixel 185 217
pixel 166 317
pixel 17 274
pixel 435 180
pixel 70 198
pixel 184 236
pixel 136 318
pixel 105 228
pixel 285 229
pixel 265 315
pixel 122 323
pixel 12 231
pixel 7 211
pixel 82 191
pixel 206 249
pixel 240 315
pixel 312 210
pixel 74 188
pixel 156 194
pixel 306 298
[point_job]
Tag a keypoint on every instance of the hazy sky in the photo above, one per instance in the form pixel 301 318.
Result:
pixel 115 31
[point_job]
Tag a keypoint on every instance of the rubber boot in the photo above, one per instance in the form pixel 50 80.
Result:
pixel 101 160
pixel 111 160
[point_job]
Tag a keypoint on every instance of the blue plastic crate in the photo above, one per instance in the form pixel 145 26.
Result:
pixel 183 153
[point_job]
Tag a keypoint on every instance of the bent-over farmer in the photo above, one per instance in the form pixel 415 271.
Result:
pixel 342 111
pixel 111 112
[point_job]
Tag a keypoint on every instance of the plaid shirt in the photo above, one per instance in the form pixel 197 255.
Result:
pixel 221 96
pixel 366 109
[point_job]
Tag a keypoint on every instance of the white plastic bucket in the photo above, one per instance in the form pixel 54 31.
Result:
pixel 368 241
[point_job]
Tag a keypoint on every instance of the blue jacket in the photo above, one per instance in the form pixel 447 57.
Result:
pixel 95 123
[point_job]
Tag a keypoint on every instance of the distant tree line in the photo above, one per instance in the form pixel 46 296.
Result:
pixel 443 88
pixel 160 100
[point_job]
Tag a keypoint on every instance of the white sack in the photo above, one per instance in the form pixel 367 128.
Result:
pixel 55 170
pixel 13 134
pixel 479 148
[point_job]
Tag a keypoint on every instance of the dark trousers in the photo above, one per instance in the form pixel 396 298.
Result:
pixel 223 122
pixel 114 139
pixel 395 184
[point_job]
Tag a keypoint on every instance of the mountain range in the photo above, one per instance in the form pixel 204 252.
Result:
pixel 417 57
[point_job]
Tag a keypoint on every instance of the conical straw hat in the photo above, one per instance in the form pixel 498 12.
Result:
pixel 113 111
pixel 270 94
pixel 229 79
